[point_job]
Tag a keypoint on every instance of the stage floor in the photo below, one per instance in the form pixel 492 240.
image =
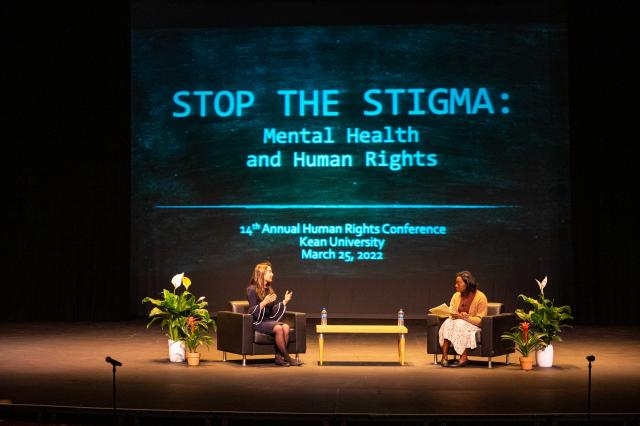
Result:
pixel 64 364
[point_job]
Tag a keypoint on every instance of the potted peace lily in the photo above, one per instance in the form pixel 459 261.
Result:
pixel 525 342
pixel 547 320
pixel 173 310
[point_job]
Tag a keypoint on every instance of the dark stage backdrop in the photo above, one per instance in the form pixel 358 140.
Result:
pixel 70 150
pixel 367 163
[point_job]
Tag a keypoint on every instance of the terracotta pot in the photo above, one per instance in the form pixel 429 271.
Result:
pixel 193 359
pixel 526 363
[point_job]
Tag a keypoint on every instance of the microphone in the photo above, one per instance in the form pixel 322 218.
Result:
pixel 590 358
pixel 113 362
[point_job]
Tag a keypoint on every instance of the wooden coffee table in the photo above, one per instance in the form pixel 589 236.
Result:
pixel 400 330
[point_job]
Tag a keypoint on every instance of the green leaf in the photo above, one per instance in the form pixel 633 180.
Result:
pixel 156 311
pixel 154 301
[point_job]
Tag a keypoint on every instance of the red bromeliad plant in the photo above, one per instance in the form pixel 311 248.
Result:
pixel 197 332
pixel 525 330
pixel 192 322
pixel 525 342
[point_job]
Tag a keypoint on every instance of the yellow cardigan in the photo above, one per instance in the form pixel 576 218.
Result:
pixel 477 310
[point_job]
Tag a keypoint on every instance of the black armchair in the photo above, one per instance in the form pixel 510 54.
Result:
pixel 236 334
pixel 489 343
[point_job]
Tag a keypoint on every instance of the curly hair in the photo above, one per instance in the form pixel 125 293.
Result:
pixel 469 280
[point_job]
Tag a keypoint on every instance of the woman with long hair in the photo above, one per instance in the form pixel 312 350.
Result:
pixel 468 306
pixel 267 313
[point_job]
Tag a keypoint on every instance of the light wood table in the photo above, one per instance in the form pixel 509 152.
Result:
pixel 400 330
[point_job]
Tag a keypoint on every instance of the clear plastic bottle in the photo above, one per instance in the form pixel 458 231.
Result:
pixel 323 316
pixel 400 317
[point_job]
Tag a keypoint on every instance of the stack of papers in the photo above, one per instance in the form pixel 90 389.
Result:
pixel 442 311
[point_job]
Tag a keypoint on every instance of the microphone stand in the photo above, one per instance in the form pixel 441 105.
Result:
pixel 590 358
pixel 114 393
pixel 114 363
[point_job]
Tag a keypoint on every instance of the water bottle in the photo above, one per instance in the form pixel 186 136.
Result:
pixel 401 317
pixel 323 316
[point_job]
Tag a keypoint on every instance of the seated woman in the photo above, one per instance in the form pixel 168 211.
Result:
pixel 267 313
pixel 468 306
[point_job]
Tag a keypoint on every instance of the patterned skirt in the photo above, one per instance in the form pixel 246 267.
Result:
pixel 461 334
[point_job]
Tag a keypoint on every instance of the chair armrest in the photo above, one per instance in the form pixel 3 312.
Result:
pixel 235 332
pixel 492 328
pixel 433 327
pixel 434 320
pixel 298 321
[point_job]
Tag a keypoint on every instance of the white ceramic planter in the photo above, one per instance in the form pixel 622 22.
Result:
pixel 176 351
pixel 544 357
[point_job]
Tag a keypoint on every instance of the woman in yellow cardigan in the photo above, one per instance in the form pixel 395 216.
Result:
pixel 468 306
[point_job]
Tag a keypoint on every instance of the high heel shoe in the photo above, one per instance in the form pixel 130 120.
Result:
pixel 294 362
pixel 281 361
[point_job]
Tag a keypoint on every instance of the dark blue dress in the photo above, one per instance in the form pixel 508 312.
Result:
pixel 264 319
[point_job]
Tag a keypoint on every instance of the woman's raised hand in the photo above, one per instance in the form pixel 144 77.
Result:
pixel 271 297
pixel 287 296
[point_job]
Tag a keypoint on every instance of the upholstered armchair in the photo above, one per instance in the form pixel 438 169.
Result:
pixel 489 343
pixel 236 334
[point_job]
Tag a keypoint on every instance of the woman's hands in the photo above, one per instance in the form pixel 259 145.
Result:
pixel 459 315
pixel 272 298
pixel 268 299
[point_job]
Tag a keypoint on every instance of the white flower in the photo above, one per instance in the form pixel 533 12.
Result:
pixel 542 285
pixel 177 280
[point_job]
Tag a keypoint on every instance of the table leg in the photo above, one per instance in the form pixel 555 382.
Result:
pixel 320 345
pixel 401 344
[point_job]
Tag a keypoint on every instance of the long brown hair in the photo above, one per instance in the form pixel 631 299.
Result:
pixel 257 279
